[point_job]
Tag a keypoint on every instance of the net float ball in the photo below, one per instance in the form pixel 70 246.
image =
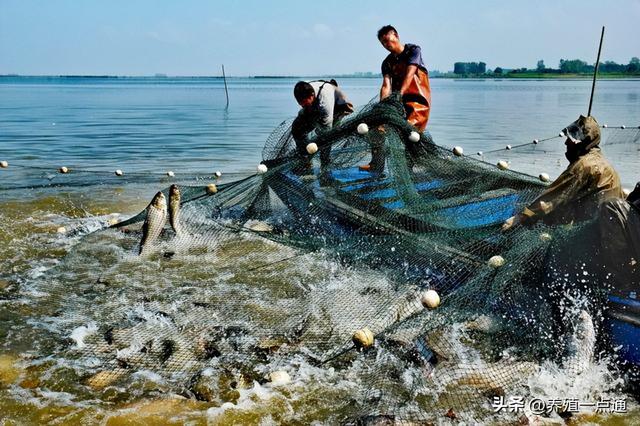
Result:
pixel 545 236
pixel 212 189
pixel 414 136
pixel 479 153
pixel 312 148
pixel 61 230
pixel 508 147
pixel 63 170
pixel 363 338
pixel 561 135
pixel 458 151
pixel 605 126
pixel 535 141
pixel 218 173
pixel 4 164
pixel 279 377
pixel 262 169
pixel 623 127
pixel 503 165
pixel 118 172
pixel 362 129
pixel 170 173
pixel 430 299
pixel 544 177
pixel 496 262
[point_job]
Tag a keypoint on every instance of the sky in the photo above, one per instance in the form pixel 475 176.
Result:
pixel 302 38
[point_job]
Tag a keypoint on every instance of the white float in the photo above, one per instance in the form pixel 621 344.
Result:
pixel 430 299
pixel 503 165
pixel 170 173
pixel 496 261
pixel 119 172
pixel 414 136
pixel 312 148
pixel 4 164
pixel 458 151
pixel 544 177
pixel 63 170
pixel 363 338
pixel 262 168
pixel 363 129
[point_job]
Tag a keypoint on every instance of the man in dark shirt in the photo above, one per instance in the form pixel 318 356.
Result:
pixel 404 71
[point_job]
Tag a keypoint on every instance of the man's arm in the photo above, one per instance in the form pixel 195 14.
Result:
pixel 565 189
pixel 385 90
pixel 411 71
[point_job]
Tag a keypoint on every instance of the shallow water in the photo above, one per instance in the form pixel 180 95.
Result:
pixel 60 290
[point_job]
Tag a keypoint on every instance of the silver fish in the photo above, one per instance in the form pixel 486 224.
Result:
pixel 491 379
pixel 581 345
pixel 153 224
pixel 174 208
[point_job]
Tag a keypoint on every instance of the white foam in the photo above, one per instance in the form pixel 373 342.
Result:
pixel 80 333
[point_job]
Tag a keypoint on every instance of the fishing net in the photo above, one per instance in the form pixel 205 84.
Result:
pixel 262 283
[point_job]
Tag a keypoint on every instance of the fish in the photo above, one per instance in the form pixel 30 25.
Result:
pixel 581 345
pixel 491 379
pixel 154 223
pixel 174 208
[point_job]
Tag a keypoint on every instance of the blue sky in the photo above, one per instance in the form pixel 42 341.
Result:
pixel 193 37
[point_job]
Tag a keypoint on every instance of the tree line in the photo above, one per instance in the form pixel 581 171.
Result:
pixel 566 67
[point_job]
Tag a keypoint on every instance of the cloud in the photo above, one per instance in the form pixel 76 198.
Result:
pixel 323 31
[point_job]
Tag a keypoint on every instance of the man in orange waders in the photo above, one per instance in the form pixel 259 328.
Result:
pixel 403 71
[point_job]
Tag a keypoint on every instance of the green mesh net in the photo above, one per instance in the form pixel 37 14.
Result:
pixel 262 283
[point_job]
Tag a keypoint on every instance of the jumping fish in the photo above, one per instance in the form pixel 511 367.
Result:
pixel 174 208
pixel 153 224
pixel 581 345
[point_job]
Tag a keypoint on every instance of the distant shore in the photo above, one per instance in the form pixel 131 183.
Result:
pixel 449 76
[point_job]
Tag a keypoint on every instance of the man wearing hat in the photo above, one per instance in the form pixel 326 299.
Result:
pixel 576 194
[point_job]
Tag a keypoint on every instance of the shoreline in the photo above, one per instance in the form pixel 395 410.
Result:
pixel 563 77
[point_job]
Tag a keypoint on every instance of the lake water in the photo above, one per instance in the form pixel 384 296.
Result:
pixel 154 125
pixel 49 294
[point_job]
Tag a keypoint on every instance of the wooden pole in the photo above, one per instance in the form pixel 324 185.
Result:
pixel 595 73
pixel 226 92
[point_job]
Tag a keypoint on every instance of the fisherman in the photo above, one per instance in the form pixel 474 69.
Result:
pixel 404 73
pixel 323 105
pixel 619 225
pixel 576 194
